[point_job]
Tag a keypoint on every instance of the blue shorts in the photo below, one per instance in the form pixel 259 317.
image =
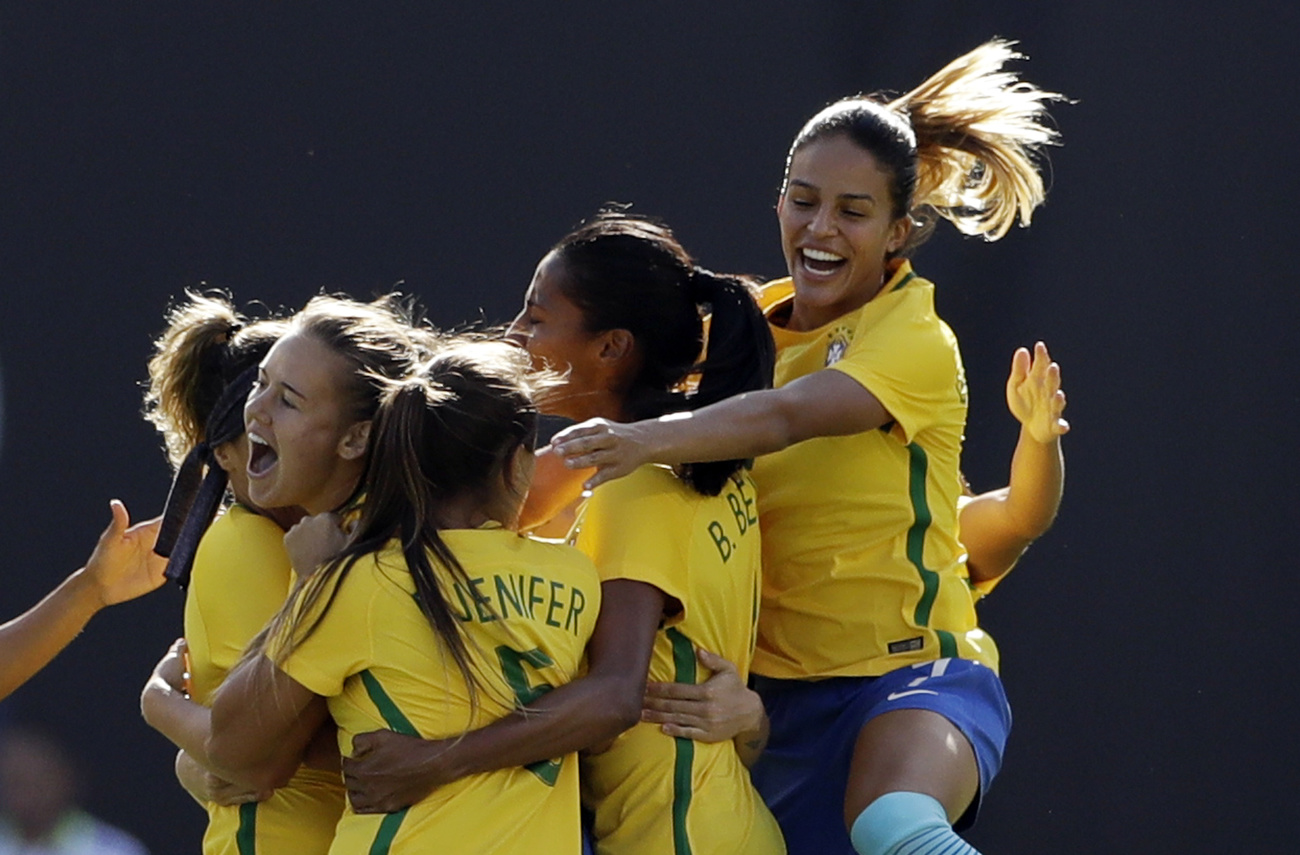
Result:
pixel 803 773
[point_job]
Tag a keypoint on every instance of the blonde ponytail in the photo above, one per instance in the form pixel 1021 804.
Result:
pixel 978 129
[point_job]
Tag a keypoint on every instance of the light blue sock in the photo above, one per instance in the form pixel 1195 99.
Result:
pixel 906 824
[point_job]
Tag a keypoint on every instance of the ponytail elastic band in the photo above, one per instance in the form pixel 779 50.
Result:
pixel 196 494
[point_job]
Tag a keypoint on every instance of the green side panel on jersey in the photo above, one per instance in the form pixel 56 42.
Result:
pixel 398 723
pixel 918 466
pixel 393 717
pixel 387 831
pixel 246 836
pixel 947 644
pixel 684 672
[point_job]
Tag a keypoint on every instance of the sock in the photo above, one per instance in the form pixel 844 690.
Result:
pixel 906 824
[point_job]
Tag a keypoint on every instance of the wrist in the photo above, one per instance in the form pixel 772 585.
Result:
pixel 444 763
pixel 86 592
pixel 756 715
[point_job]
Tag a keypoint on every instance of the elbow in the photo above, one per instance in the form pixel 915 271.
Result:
pixel 1035 526
pixel 233 764
pixel 618 708
pixel 625 714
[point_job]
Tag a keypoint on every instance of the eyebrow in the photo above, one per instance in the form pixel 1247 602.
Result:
pixel 293 390
pixel 867 197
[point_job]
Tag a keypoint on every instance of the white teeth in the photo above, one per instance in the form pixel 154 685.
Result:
pixel 257 440
pixel 818 255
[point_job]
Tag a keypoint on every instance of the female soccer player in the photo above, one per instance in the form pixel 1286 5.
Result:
pixel 436 618
pixel 996 529
pixel 205 366
pixel 888 718
pixel 618 305
pixel 122 567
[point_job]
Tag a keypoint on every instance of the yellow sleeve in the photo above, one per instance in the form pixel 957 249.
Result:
pixel 637 528
pixel 335 636
pixel 241 578
pixel 909 361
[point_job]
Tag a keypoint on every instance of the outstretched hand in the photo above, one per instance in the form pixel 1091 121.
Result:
pixel 123 565
pixel 1034 394
pixel 716 710
pixel 615 449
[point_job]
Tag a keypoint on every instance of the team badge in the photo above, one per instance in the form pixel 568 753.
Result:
pixel 840 338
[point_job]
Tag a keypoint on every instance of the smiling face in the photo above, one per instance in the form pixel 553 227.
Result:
pixel 553 331
pixel 307 448
pixel 837 229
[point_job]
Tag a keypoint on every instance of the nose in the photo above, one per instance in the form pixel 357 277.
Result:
pixel 254 410
pixel 517 332
pixel 823 221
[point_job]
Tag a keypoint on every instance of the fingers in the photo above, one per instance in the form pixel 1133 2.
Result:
pixel 121 518
pixel 591 427
pixel 362 744
pixel 601 476
pixel 364 802
pixel 673 719
pixel 1020 363
pixel 673 709
pixel 676 691
pixel 683 732
pixel 715 663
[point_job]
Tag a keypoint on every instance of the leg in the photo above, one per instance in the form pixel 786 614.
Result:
pixel 911 750
pixel 912 775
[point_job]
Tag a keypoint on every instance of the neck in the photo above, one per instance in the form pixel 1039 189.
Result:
pixel 464 511
pixel 595 404
pixel 804 317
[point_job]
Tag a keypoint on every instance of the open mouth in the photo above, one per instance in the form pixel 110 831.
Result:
pixel 820 263
pixel 261 456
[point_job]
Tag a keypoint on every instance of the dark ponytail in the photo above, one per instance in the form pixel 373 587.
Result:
pixel 203 367
pixel 630 272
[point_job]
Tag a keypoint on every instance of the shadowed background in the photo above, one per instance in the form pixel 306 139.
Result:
pixel 278 152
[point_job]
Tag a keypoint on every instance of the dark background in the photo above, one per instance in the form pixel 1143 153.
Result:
pixel 1147 640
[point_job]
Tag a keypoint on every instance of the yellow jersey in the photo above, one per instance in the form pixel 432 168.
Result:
pixel 526 614
pixel 652 793
pixel 863 572
pixel 240 579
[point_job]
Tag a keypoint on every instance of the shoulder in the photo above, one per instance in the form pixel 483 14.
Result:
pixel 241 540
pixel 652 479
pixel 650 489
pixel 238 523
pixel 499 550
pixel 775 293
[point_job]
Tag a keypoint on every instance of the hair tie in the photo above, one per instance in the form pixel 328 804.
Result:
pixel 200 484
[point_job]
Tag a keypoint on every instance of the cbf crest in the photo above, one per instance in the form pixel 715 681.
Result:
pixel 840 340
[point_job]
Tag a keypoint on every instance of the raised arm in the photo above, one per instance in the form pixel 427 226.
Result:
pixel 997 526
pixel 824 403
pixel 122 567
pixel 387 771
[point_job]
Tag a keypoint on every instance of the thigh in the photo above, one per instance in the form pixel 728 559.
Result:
pixel 911 750
pixel 937 728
